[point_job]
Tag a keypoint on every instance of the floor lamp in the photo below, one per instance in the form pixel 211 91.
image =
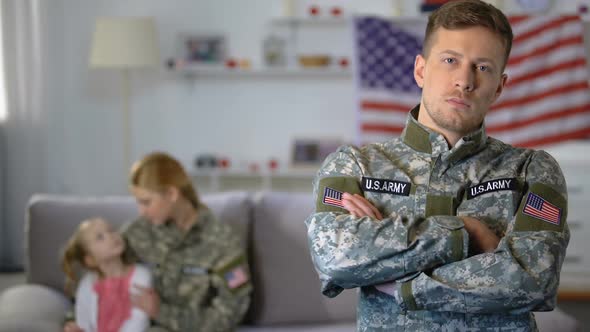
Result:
pixel 125 43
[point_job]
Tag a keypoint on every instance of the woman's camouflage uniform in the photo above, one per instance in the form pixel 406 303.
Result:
pixel 194 272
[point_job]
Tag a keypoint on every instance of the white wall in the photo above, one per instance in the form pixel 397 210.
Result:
pixel 243 119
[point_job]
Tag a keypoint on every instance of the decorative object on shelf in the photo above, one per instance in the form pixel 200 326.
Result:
pixel 311 152
pixel 314 61
pixel 314 11
pixel 125 43
pixel 205 161
pixel 344 62
pixel 198 49
pixel 273 165
pixel 274 49
pixel 231 63
pixel 336 11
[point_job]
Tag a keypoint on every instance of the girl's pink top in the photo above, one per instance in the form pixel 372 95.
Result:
pixel 114 303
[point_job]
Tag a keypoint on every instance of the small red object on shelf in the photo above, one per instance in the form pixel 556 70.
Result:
pixel 343 62
pixel 273 164
pixel 224 163
pixel 231 63
pixel 336 11
pixel 314 10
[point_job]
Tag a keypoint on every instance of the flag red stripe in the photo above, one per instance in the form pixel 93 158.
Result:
pixel 562 113
pixel 550 25
pixel 537 97
pixel 541 213
pixel 384 106
pixel 580 133
pixel 580 62
pixel 374 127
pixel 575 40
pixel 517 19
pixel 535 213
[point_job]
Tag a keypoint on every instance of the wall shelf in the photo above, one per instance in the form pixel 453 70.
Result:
pixel 215 180
pixel 201 71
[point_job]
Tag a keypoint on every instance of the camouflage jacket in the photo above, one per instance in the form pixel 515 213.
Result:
pixel 421 187
pixel 200 275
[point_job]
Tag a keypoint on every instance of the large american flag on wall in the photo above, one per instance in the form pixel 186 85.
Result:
pixel 546 100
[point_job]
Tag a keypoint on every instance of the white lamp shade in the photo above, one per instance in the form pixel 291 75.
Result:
pixel 124 42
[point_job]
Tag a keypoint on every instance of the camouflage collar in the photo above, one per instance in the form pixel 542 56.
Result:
pixel 173 236
pixel 423 139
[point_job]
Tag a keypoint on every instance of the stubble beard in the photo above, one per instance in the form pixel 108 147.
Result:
pixel 455 123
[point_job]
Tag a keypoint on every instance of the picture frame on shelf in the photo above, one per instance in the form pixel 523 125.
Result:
pixel 311 152
pixel 202 49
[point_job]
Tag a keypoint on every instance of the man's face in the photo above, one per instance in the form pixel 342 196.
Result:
pixel 460 78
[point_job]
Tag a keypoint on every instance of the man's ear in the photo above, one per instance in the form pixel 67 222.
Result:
pixel 419 64
pixel 501 86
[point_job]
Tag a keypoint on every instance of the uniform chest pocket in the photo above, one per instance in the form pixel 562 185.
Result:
pixel 393 205
pixel 193 281
pixel 495 202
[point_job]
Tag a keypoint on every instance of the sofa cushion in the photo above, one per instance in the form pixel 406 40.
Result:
pixel 51 219
pixel 287 288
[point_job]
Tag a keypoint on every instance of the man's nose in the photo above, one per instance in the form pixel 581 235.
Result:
pixel 465 79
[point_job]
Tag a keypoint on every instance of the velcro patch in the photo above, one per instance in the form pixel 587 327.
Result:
pixel 194 270
pixel 491 186
pixel 332 197
pixel 237 276
pixel 330 190
pixel 539 208
pixel 386 186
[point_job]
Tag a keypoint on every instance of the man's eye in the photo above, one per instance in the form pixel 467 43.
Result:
pixel 449 60
pixel 483 68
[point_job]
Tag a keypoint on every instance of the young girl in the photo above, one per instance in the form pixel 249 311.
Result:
pixel 103 296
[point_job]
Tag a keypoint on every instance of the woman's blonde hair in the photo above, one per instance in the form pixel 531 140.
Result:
pixel 158 172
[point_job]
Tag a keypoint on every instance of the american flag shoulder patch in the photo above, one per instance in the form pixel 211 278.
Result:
pixel 332 197
pixel 236 277
pixel 537 207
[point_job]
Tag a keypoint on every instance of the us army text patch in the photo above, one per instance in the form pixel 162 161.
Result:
pixel 386 186
pixel 490 186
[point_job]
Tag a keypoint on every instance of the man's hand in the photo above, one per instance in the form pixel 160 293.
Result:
pixel 358 206
pixel 71 326
pixel 481 238
pixel 146 299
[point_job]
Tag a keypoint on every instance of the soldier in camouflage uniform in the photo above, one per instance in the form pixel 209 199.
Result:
pixel 200 271
pixel 444 228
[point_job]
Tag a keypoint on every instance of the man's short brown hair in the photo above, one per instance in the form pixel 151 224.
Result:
pixel 460 14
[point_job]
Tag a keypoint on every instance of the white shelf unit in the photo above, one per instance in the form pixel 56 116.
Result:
pixel 292 69
pixel 202 71
pixel 217 180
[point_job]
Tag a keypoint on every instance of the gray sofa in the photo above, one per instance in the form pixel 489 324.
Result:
pixel 286 289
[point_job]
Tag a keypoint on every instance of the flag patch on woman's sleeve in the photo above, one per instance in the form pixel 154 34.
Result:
pixel 537 207
pixel 236 277
pixel 332 197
